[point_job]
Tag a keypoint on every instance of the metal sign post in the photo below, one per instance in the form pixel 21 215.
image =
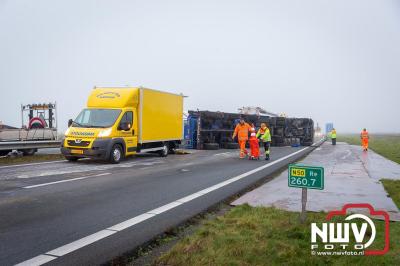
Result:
pixel 303 215
pixel 304 177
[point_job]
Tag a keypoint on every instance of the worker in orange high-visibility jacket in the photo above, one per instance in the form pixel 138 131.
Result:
pixel 253 143
pixel 364 139
pixel 242 132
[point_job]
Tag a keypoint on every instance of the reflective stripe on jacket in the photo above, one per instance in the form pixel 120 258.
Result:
pixel 364 135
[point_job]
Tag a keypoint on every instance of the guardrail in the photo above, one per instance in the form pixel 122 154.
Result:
pixel 38 144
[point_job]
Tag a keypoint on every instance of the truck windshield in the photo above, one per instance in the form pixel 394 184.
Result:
pixel 96 118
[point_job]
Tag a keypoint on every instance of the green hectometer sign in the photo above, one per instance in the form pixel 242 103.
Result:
pixel 306 176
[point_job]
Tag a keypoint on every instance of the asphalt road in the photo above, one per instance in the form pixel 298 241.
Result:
pixel 68 213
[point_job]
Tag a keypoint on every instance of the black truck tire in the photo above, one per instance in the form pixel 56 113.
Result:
pixel 164 151
pixel 28 152
pixel 280 121
pixel 306 143
pixel 279 131
pixel 71 158
pixel 211 146
pixel 172 147
pixel 116 154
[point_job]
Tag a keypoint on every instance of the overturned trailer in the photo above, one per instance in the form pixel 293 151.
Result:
pixel 213 130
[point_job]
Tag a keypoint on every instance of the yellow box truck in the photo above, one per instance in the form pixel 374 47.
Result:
pixel 119 122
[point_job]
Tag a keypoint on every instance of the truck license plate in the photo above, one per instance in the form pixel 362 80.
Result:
pixel 77 151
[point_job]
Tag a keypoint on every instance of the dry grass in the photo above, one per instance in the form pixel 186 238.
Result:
pixel 30 159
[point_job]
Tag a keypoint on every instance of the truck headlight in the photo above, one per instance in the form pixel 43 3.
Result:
pixel 67 132
pixel 105 133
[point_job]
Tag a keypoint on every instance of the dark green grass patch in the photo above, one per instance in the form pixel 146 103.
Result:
pixel 393 188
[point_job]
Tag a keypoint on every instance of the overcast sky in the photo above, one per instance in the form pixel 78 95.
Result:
pixel 329 60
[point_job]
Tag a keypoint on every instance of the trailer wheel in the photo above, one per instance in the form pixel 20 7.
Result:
pixel 164 151
pixel 231 145
pixel 28 152
pixel 211 146
pixel 71 158
pixel 306 143
pixel 116 154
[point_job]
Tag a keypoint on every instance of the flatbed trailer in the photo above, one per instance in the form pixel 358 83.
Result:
pixel 38 131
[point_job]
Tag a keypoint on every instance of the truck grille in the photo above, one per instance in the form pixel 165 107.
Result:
pixel 78 144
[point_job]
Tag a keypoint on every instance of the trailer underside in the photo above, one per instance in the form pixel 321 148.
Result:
pixel 213 130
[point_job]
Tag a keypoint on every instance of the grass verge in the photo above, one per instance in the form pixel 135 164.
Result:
pixel 393 188
pixel 266 236
pixel 386 145
pixel 30 159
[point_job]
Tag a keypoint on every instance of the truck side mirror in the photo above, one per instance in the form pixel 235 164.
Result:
pixel 70 122
pixel 125 126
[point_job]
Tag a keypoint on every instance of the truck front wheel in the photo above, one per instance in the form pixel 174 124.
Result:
pixel 116 154
pixel 164 151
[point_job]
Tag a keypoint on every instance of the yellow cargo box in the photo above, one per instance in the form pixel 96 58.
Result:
pixel 113 98
pixel 161 116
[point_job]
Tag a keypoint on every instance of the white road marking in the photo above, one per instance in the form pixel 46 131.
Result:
pixel 165 207
pixel 61 251
pixel 223 153
pixel 66 180
pixel 131 222
pixel 190 197
pixel 145 216
pixel 79 168
pixel 125 164
pixel 36 261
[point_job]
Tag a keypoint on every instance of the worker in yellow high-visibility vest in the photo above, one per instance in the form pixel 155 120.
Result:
pixel 265 136
pixel 333 136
